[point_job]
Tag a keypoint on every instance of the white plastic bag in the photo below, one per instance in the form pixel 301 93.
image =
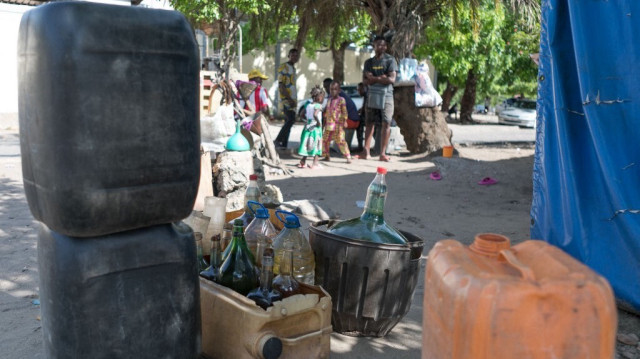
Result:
pixel 407 69
pixel 219 126
pixel 426 94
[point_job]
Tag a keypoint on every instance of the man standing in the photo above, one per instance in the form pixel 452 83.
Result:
pixel 379 74
pixel 288 95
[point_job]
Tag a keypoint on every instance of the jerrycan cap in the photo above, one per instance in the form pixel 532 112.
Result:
pixel 490 244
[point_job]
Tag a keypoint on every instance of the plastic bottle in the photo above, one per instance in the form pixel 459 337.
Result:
pixel 265 295
pixel 285 282
pixel 260 232
pixel 292 237
pixel 371 226
pixel 238 270
pixel 251 194
pixel 212 272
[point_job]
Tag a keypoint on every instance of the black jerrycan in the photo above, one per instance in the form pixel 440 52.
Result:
pixel 109 121
pixel 132 294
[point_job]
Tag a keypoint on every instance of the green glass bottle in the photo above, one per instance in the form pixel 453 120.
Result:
pixel 238 270
pixel 370 226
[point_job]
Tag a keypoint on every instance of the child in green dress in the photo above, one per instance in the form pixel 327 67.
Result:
pixel 311 138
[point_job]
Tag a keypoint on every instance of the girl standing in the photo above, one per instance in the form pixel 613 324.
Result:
pixel 335 123
pixel 311 137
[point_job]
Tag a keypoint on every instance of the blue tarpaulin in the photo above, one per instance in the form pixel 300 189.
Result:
pixel 586 177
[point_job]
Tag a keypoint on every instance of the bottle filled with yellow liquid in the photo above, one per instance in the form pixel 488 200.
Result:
pixel 292 238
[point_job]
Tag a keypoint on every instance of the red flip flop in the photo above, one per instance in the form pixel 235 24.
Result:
pixel 300 165
pixel 488 181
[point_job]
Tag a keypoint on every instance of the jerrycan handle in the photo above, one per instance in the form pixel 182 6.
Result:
pixel 282 216
pixel 525 271
pixel 284 213
pixel 252 204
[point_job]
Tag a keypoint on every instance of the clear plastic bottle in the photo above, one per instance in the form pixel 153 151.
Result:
pixel 238 271
pixel 260 232
pixel 292 237
pixel 251 194
pixel 371 226
pixel 284 282
pixel 265 295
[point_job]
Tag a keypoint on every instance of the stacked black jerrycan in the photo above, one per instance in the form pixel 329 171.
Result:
pixel 110 141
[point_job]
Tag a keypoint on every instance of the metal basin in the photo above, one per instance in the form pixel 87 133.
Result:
pixel 371 284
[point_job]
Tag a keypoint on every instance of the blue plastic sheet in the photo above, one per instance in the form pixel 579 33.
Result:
pixel 586 178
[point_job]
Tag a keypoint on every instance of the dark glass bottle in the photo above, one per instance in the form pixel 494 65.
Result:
pixel 370 226
pixel 265 295
pixel 238 270
pixel 251 194
pixel 202 263
pixel 212 272
pixel 285 283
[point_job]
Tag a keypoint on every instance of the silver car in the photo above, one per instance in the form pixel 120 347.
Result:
pixel 521 113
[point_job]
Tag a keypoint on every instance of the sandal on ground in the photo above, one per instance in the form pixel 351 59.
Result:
pixel 326 158
pixel 488 181
pixel 301 165
pixel 315 167
pixel 435 175
pixel 385 158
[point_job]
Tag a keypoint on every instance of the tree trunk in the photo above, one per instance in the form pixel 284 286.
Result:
pixel 468 98
pixel 338 61
pixel 424 128
pixel 447 95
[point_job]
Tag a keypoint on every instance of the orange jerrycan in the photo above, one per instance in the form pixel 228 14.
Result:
pixel 530 301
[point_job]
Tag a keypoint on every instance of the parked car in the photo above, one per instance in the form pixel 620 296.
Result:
pixel 504 105
pixel 522 113
pixel 350 90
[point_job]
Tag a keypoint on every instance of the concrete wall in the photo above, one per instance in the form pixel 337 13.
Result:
pixel 10 16
pixel 311 71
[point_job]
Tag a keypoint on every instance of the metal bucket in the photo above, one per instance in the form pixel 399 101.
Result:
pixel 371 284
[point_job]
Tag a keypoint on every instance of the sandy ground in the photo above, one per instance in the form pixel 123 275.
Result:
pixel 455 207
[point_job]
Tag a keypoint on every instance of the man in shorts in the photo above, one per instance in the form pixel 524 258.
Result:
pixel 379 74
pixel 287 91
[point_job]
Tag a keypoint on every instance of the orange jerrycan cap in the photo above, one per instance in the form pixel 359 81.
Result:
pixel 490 244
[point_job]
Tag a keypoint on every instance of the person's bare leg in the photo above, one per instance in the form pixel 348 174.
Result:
pixel 367 141
pixel 386 133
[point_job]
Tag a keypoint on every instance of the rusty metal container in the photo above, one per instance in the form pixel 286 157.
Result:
pixel 532 300
pixel 233 326
pixel 371 284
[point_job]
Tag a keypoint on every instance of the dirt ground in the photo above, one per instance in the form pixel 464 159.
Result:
pixel 454 207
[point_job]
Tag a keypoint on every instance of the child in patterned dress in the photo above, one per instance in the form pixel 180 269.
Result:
pixel 335 118
pixel 311 137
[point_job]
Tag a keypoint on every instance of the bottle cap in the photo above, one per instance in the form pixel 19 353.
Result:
pixel 382 170
pixel 291 221
pixel 253 177
pixel 238 222
pixel 262 213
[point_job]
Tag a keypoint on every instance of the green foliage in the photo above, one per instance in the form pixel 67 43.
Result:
pixel 488 39
pixel 210 10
